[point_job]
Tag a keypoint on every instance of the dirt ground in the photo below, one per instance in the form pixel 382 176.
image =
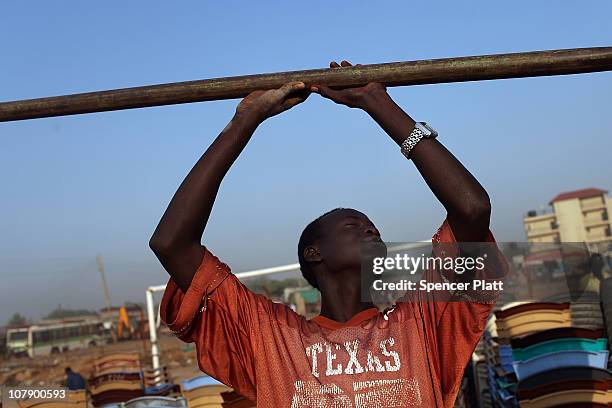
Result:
pixel 49 370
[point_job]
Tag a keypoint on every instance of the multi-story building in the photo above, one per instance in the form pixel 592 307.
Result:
pixel 573 216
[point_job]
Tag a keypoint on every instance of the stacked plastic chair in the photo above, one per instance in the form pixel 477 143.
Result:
pixel 500 377
pixel 606 305
pixel 151 402
pixel 466 397
pixel 484 392
pixel 116 378
pixel 155 402
pixel 547 354
pixel 74 399
pixel 480 369
pixel 559 348
pixel 529 318
pixel 203 392
pixel 159 383
pixel 233 400
pixel 580 386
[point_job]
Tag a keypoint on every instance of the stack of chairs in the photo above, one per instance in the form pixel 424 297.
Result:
pixel 580 386
pixel 116 378
pixel 531 317
pixel 231 399
pixel 479 359
pixel 157 382
pixel 561 366
pixel 484 392
pixel 203 392
pixel 500 377
pixel 74 399
pixel 606 305
pixel 465 396
pixel 558 348
pixel 155 402
pixel 541 354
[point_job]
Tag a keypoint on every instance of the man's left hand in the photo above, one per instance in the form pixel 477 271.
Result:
pixel 359 97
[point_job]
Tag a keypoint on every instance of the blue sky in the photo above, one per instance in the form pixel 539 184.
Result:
pixel 74 187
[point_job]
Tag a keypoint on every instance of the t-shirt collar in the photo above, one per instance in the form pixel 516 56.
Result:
pixel 356 320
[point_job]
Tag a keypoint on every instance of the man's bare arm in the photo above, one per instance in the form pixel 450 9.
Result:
pixel 177 239
pixel 465 200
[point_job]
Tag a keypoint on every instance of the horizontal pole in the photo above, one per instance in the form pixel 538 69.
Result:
pixel 486 67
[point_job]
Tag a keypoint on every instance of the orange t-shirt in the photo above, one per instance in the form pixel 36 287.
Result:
pixel 413 354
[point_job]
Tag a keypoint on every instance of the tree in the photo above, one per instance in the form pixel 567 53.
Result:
pixel 17 320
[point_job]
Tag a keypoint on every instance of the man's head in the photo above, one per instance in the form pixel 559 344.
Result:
pixel 68 370
pixel 333 242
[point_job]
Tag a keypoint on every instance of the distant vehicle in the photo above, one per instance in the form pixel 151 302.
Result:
pixel 17 341
pixel 50 338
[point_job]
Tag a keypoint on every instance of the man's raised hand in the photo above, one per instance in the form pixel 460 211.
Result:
pixel 352 97
pixel 264 104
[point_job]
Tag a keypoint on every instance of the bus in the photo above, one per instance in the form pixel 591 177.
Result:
pixel 50 338
pixel 17 341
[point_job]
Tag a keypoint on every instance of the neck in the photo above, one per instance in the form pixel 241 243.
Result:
pixel 341 299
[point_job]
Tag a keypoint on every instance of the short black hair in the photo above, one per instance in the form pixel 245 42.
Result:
pixel 68 369
pixel 311 233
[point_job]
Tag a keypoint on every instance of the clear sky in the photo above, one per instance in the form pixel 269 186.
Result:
pixel 74 187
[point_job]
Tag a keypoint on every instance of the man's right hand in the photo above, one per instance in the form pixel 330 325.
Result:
pixel 177 239
pixel 264 104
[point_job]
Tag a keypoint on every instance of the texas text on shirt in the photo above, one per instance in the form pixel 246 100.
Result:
pixel 411 355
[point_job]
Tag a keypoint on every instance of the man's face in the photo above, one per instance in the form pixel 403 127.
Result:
pixel 349 237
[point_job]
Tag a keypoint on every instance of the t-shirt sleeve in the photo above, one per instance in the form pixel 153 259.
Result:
pixel 454 322
pixel 219 314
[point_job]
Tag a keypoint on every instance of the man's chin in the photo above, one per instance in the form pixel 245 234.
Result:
pixel 374 249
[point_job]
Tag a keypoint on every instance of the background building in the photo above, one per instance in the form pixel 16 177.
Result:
pixel 573 216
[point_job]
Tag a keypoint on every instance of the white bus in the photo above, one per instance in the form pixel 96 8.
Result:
pixel 17 341
pixel 49 338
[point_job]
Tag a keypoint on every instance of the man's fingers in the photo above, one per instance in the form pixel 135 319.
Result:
pixel 291 87
pixel 325 91
pixel 320 89
pixel 343 63
pixel 291 102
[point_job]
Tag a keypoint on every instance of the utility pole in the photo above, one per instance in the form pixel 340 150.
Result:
pixel 104 285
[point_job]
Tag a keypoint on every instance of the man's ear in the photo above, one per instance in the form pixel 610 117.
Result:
pixel 312 254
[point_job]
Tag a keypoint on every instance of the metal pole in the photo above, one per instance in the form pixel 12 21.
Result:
pixel 107 300
pixel 151 315
pixel 477 68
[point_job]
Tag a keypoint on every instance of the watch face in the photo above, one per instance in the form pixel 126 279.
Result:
pixel 427 130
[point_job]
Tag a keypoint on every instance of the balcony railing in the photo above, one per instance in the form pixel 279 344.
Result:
pixel 593 206
pixel 539 213
pixel 593 222
pixel 541 231
pixel 598 237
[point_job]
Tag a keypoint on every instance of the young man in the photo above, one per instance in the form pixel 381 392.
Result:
pixel 351 355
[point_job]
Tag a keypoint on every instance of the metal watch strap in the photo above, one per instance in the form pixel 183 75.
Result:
pixel 415 137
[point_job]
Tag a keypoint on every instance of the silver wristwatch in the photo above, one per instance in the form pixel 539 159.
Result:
pixel 421 130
